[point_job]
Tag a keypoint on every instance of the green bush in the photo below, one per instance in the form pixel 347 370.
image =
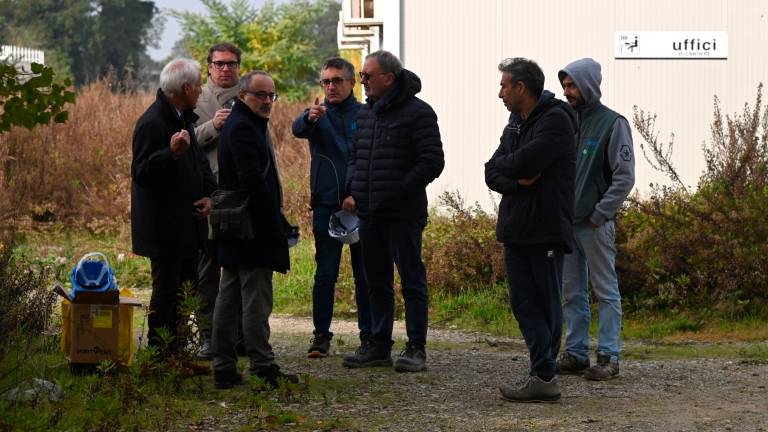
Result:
pixel 460 247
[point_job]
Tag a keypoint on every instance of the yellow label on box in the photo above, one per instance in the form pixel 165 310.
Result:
pixel 101 318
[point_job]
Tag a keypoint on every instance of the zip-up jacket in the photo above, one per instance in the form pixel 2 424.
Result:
pixel 541 145
pixel 330 141
pixel 397 153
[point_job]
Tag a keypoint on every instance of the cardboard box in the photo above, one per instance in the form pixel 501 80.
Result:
pixel 97 326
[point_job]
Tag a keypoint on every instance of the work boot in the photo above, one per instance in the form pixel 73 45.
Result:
pixel 412 359
pixel 370 354
pixel 533 389
pixel 226 379
pixel 568 364
pixel 321 345
pixel 604 370
pixel 273 376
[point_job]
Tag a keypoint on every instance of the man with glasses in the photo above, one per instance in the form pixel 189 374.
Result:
pixel 533 169
pixel 213 108
pixel 247 163
pixel 330 128
pixel 396 154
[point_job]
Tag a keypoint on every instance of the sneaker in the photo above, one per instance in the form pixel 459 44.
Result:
pixel 568 364
pixel 321 344
pixel 369 354
pixel 226 379
pixel 412 359
pixel 273 376
pixel 604 370
pixel 205 353
pixel 533 389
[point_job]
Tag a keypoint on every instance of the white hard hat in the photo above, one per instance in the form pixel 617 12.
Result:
pixel 343 226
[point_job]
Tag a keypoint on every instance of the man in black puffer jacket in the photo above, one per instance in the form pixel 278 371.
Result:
pixel 397 153
pixel 534 169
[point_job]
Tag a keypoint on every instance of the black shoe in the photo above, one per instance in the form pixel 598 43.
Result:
pixel 226 379
pixel 321 345
pixel 369 354
pixel 568 364
pixel 205 353
pixel 273 376
pixel 412 359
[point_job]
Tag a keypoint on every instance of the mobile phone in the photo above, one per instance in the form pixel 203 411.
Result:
pixel 229 103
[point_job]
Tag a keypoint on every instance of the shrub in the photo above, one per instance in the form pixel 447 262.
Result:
pixel 704 249
pixel 460 247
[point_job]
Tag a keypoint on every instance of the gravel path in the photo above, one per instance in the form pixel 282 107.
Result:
pixel 459 392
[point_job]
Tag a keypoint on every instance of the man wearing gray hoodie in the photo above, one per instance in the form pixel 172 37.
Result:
pixel 605 174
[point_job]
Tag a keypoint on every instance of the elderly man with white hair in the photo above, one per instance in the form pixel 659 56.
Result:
pixel 170 194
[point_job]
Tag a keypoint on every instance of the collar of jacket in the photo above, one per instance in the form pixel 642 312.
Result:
pixel 188 116
pixel 245 110
pixel 217 90
pixel 408 85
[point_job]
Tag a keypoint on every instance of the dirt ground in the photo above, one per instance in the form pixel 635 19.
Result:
pixel 459 391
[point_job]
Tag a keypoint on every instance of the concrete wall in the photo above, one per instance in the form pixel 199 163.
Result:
pixel 455 46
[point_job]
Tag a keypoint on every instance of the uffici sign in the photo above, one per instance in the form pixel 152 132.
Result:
pixel 671 45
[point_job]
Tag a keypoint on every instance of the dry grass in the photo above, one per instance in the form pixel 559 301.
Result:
pixel 79 172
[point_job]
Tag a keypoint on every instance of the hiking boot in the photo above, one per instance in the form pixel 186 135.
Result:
pixel 369 354
pixel 226 379
pixel 273 376
pixel 604 370
pixel 205 353
pixel 321 345
pixel 568 364
pixel 533 389
pixel 412 359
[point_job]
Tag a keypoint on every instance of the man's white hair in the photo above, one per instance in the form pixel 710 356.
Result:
pixel 178 72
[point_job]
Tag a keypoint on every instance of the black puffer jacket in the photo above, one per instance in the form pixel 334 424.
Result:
pixel 396 154
pixel 544 144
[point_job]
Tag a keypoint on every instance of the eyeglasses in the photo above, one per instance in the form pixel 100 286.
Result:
pixel 220 65
pixel 365 76
pixel 263 96
pixel 335 81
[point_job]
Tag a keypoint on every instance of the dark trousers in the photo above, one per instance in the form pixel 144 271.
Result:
pixel 327 257
pixel 168 275
pixel 209 274
pixel 535 278
pixel 399 243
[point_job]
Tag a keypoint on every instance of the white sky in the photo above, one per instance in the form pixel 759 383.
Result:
pixel 172 31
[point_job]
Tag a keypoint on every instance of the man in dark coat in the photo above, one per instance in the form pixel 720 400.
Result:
pixel 397 153
pixel 330 128
pixel 533 169
pixel 247 163
pixel 170 189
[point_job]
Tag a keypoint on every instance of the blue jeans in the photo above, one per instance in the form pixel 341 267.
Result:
pixel 395 242
pixel 534 273
pixel 594 259
pixel 327 257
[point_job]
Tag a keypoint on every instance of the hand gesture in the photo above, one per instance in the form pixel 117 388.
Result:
pixel 349 204
pixel 219 118
pixel 203 207
pixel 316 111
pixel 180 142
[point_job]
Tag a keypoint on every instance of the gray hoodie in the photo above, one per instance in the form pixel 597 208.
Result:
pixel 599 206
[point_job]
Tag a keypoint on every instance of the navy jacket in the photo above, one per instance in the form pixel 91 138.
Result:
pixel 246 163
pixel 397 153
pixel 164 186
pixel 543 144
pixel 330 141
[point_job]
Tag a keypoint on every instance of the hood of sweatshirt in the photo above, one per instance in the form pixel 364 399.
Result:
pixel 587 77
